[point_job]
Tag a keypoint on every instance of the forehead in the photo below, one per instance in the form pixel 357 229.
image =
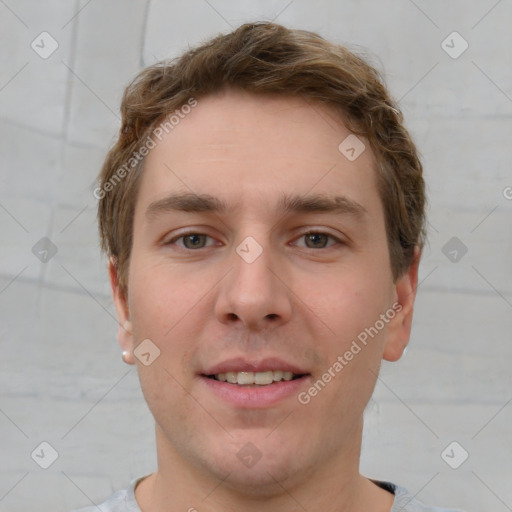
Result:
pixel 252 148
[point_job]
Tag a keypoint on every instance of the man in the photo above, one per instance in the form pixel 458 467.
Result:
pixel 263 212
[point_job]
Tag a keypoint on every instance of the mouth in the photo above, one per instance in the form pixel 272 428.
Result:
pixel 254 384
pixel 256 379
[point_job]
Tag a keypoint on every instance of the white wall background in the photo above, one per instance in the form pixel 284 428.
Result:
pixel 61 376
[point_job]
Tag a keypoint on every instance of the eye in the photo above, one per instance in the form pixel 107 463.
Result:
pixel 190 240
pixel 318 240
pixel 313 240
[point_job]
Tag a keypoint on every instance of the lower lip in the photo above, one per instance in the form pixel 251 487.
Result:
pixel 255 397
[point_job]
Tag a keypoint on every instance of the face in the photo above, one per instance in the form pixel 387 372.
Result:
pixel 260 255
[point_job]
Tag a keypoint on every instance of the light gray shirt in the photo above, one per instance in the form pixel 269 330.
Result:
pixel 124 501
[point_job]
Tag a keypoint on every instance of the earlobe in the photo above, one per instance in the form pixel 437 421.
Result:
pixel 399 329
pixel 125 339
pixel 124 329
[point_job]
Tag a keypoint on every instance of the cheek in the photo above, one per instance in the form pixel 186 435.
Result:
pixel 350 305
pixel 165 307
pixel 348 301
pixel 159 299
pixel 171 406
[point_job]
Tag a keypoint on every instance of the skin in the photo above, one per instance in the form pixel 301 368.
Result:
pixel 302 300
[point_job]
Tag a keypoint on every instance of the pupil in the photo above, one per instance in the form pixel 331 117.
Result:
pixel 314 238
pixel 194 240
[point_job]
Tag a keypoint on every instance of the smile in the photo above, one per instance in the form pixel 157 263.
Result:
pixel 263 378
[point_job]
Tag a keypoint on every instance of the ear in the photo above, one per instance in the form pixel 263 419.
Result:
pixel 399 328
pixel 124 329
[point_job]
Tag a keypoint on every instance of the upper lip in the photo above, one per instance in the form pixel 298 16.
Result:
pixel 241 364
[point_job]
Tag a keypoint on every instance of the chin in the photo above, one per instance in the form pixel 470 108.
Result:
pixel 253 471
pixel 263 480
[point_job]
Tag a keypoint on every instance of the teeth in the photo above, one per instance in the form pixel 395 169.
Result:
pixel 263 378
pixel 232 377
pixel 259 378
pixel 245 378
pixel 287 375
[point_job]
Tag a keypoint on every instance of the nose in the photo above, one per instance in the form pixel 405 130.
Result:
pixel 255 292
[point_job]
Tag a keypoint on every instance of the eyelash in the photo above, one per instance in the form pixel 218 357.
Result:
pixel 311 232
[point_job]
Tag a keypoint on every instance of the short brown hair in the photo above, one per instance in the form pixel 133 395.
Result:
pixel 265 58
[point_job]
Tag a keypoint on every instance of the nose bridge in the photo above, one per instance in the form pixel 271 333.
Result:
pixel 252 292
pixel 253 266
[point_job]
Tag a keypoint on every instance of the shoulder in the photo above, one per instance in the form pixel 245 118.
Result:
pixel 405 502
pixel 120 501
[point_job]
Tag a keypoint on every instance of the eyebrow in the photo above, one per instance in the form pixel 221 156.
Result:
pixel 314 203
